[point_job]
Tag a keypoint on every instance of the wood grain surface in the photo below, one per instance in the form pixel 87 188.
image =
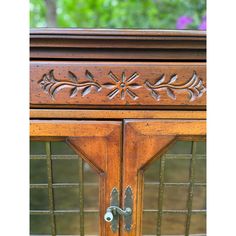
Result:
pixel 151 83
pixel 121 85
pixel 114 114
pixel 144 141
pixel 105 44
pixel 99 144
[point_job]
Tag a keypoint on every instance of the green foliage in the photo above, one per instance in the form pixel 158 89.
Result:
pixel 160 14
pixel 37 13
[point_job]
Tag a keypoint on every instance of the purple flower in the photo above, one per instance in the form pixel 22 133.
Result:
pixel 202 26
pixel 183 21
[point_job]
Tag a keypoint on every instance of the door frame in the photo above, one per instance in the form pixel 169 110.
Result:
pixel 143 141
pixel 96 142
pixel 146 140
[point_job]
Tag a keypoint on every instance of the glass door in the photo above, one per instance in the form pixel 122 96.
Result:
pixel 174 196
pixel 164 165
pixel 79 188
pixel 64 191
pixel 74 166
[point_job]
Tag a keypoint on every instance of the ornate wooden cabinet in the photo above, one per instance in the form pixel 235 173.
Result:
pixel 117 132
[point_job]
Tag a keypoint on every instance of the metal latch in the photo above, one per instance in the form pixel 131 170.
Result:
pixel 113 211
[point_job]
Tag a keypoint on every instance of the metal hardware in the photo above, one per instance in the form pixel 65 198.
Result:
pixel 109 215
pixel 113 211
pixel 128 204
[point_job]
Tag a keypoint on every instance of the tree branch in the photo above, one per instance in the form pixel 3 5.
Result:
pixel 51 13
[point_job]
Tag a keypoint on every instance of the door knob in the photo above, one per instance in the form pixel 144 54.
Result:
pixel 108 217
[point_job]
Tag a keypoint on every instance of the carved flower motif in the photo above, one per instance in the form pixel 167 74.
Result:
pixel 194 86
pixel 123 86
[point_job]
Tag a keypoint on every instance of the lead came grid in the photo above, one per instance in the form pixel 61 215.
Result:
pixel 51 185
pixel 50 190
pixel 156 187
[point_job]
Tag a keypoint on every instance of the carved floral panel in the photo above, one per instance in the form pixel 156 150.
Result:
pixel 147 84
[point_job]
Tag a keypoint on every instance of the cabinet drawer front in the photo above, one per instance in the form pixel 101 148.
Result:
pixel 118 84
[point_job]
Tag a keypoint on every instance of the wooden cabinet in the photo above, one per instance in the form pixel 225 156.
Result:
pixel 116 102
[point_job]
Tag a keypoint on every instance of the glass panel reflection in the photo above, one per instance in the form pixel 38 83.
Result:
pixel 180 209
pixel 173 224
pixel 175 198
pixel 72 208
pixel 67 224
pixel 40 224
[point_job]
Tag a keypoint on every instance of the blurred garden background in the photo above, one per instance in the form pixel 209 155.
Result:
pixel 154 14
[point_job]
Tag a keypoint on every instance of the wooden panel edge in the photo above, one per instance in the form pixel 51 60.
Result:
pixel 180 127
pixel 65 128
pixel 115 114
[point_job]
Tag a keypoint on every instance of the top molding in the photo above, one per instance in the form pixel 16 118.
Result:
pixel 126 32
pixel 110 44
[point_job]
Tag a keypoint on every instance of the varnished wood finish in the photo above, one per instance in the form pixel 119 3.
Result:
pixel 125 85
pixel 169 127
pixel 115 114
pixel 153 116
pixel 145 140
pixel 64 128
pixel 100 44
pixel 98 143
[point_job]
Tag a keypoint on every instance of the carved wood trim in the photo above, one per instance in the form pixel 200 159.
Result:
pixel 122 86
pixel 193 86
pixel 52 86
pixel 102 84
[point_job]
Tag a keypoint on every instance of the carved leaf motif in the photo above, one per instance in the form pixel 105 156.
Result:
pixel 199 84
pixel 47 86
pixel 45 78
pixel 194 86
pixel 134 86
pixel 194 75
pixel 155 95
pixel 53 93
pixel 170 93
pixel 113 93
pixel 51 76
pixel 86 91
pixel 132 94
pixel 52 86
pixel 42 84
pixel 173 79
pixel 202 89
pixel 132 77
pixel 113 77
pixel 73 77
pixel 122 95
pixel 123 77
pixel 44 81
pixel 74 92
pixel 161 80
pixel 191 95
pixel 109 85
pixel 89 75
pixel 98 87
